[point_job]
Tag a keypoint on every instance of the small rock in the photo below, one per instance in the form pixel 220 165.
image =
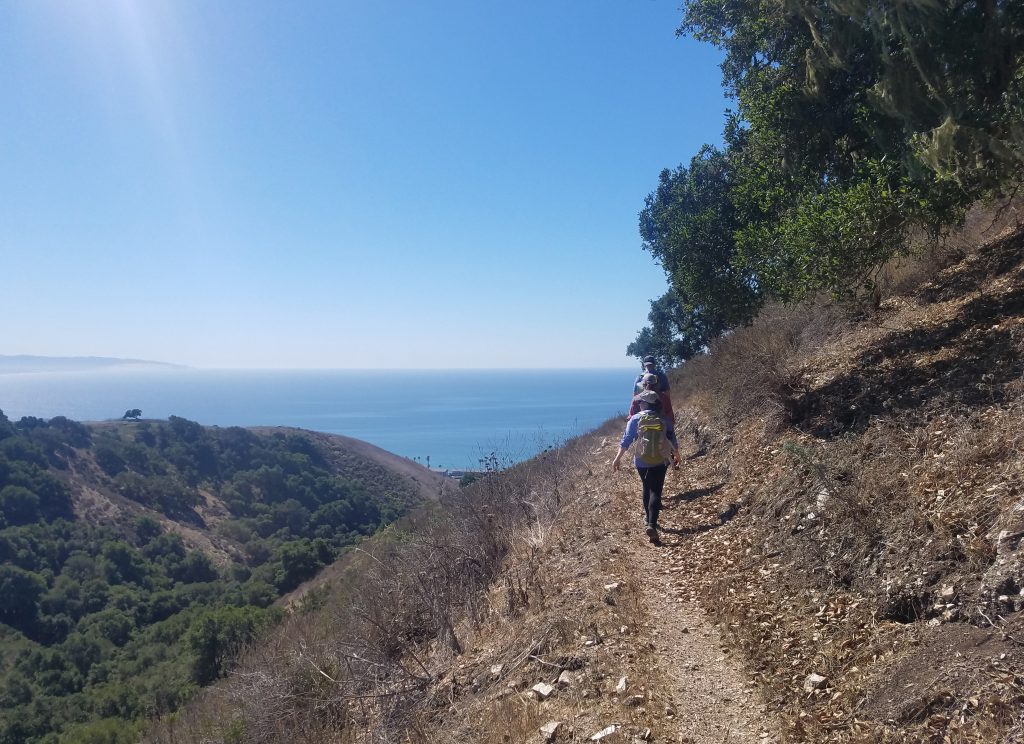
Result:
pixel 947 591
pixel 634 700
pixel 542 690
pixel 565 679
pixel 612 587
pixel 604 733
pixel 550 730
pixel 622 686
pixel 496 670
pixel 814 682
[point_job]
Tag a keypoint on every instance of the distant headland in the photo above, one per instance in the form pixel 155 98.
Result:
pixel 11 364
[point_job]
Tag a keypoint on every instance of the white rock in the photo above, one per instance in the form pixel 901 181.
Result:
pixel 604 733
pixel 565 678
pixel 612 587
pixel 821 498
pixel 814 682
pixel 497 669
pixel 550 729
pixel 622 686
pixel 542 690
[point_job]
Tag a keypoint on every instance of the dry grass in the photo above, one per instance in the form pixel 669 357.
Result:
pixel 755 371
pixel 877 467
pixel 374 660
pixel 873 470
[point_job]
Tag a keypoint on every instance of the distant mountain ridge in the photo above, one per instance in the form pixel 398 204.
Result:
pixel 29 363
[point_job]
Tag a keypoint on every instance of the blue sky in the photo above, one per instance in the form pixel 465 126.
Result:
pixel 339 184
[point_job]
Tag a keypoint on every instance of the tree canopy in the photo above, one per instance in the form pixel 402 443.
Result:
pixel 855 123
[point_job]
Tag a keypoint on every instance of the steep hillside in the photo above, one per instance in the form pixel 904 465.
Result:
pixel 839 560
pixel 136 558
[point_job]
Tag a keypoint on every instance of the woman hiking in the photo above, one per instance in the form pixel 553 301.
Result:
pixel 654 379
pixel 650 367
pixel 656 447
pixel 650 382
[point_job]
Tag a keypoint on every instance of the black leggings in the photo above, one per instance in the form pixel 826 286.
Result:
pixel 654 481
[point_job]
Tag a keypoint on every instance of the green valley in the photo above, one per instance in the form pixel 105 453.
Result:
pixel 137 557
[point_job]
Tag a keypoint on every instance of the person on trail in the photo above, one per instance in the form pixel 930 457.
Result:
pixel 650 367
pixel 650 382
pixel 656 447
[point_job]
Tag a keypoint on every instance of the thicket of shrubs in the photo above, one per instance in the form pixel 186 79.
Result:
pixel 105 625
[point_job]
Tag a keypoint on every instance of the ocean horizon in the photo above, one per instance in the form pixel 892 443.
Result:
pixel 453 417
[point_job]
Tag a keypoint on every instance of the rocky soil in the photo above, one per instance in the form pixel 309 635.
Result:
pixel 839 560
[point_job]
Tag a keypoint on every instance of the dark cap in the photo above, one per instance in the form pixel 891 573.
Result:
pixel 650 360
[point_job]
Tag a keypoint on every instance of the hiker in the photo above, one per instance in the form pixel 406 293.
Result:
pixel 656 446
pixel 650 367
pixel 650 382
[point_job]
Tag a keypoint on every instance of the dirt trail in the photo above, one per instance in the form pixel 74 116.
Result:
pixel 714 699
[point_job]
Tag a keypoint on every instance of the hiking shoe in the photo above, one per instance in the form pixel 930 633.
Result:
pixel 652 532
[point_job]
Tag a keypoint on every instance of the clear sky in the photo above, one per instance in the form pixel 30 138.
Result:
pixel 392 183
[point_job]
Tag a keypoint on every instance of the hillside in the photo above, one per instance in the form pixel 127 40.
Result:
pixel 840 559
pixel 24 363
pixel 137 557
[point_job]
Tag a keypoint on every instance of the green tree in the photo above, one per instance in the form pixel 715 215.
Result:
pixel 104 731
pixel 688 224
pixel 301 560
pixel 218 635
pixel 859 121
pixel 672 335
pixel 6 427
pixel 132 414
pixel 855 125
pixel 20 591
pixel 18 505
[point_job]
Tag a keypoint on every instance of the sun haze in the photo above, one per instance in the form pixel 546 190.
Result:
pixel 340 184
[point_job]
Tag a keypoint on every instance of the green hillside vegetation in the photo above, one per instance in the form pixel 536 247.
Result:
pixel 109 613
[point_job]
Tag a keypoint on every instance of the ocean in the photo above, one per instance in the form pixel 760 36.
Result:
pixel 453 417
